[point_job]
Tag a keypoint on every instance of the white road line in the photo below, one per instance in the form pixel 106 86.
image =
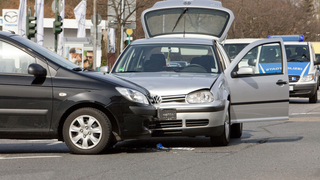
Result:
pixel 29 157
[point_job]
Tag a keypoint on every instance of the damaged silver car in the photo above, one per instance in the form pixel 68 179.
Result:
pixel 196 89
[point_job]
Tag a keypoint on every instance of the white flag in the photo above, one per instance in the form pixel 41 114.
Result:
pixel 112 40
pixel 22 18
pixel 80 14
pixel 40 11
pixel 61 35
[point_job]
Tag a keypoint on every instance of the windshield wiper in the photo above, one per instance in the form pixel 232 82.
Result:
pixel 77 69
pixel 297 60
pixel 129 71
pixel 181 15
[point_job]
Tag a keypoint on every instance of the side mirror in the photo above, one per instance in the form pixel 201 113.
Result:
pixel 252 62
pixel 37 70
pixel 317 61
pixel 245 70
pixel 104 69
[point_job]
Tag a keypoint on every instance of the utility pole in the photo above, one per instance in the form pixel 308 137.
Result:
pixel 94 63
pixel 122 19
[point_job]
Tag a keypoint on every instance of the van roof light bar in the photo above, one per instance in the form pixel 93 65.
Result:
pixel 288 37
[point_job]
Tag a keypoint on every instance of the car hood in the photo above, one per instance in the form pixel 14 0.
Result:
pixel 170 83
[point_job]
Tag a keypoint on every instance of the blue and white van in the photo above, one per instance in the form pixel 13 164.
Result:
pixel 302 70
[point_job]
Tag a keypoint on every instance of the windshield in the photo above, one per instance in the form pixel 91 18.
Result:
pixel 169 58
pixel 297 53
pixel 234 49
pixel 186 21
pixel 46 53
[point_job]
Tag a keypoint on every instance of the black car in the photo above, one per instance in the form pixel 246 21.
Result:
pixel 44 96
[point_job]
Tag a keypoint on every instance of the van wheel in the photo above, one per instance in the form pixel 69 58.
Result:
pixel 224 138
pixel 314 98
pixel 87 131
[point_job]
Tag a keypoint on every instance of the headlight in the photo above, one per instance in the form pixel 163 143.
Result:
pixel 200 97
pixel 307 78
pixel 133 95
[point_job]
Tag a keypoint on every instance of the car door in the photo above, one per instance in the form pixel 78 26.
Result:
pixel 25 100
pixel 259 86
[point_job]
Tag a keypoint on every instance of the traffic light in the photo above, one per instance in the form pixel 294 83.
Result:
pixel 57 25
pixel 31 26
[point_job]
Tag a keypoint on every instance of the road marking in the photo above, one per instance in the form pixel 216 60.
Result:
pixel 29 157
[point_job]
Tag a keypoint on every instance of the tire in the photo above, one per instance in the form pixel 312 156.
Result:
pixel 87 131
pixel 236 130
pixel 314 98
pixel 224 138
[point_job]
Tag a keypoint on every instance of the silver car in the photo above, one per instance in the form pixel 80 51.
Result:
pixel 210 96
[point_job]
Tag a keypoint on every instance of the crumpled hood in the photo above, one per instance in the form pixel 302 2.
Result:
pixel 170 83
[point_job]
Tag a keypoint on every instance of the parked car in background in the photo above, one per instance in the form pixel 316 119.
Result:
pixel 44 96
pixel 209 96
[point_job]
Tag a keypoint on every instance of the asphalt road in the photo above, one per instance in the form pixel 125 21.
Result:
pixel 269 150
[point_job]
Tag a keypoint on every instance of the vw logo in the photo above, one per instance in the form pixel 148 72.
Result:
pixel 11 17
pixel 157 99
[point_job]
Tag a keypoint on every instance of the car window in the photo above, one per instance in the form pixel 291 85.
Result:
pixel 169 58
pixel 297 53
pixel 264 59
pixel 234 49
pixel 54 57
pixel 14 60
pixel 186 21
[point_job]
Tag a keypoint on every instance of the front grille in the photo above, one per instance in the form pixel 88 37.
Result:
pixel 168 124
pixel 175 98
pixel 293 78
pixel 197 122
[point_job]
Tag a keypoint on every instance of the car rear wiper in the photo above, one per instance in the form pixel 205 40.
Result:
pixel 181 15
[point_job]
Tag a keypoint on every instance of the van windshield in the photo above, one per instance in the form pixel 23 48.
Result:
pixel 297 53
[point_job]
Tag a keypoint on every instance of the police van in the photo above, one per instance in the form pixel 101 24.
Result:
pixel 302 69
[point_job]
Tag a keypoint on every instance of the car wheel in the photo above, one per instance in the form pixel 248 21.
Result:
pixel 236 130
pixel 224 138
pixel 87 131
pixel 314 98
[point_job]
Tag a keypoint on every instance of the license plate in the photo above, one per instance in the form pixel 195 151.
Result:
pixel 290 88
pixel 167 114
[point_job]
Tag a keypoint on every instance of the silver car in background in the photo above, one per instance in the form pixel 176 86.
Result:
pixel 205 94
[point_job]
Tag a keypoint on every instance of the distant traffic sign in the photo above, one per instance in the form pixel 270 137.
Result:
pixel 129 31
